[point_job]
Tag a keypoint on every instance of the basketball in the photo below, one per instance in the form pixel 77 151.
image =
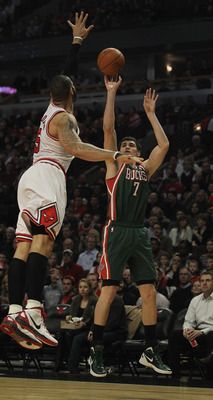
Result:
pixel 110 61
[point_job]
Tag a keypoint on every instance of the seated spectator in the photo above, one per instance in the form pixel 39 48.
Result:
pixel 156 250
pixel 173 272
pixel 128 290
pixel 164 262
pixel 85 223
pixel 196 288
pixel 197 333
pixel 194 268
pixel 70 340
pixel 209 263
pixel 181 297
pixel 68 290
pixel 171 205
pixel 182 232
pixel 193 213
pixel 165 241
pixel 52 292
pixel 87 257
pixel 92 278
pixel 187 174
pixel 52 261
pixel 200 233
pixel 207 252
pixel 68 267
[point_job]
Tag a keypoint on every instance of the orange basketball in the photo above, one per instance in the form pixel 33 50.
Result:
pixel 110 61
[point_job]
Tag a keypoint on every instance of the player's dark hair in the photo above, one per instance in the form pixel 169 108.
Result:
pixel 60 88
pixel 132 139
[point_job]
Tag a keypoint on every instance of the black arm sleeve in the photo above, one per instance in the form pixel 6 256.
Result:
pixel 70 67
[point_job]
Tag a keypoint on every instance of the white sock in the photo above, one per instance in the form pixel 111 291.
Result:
pixel 14 308
pixel 33 304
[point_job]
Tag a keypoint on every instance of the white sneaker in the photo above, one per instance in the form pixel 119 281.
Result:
pixel 32 320
pixel 22 336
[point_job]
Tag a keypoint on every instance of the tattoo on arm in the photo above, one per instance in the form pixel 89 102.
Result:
pixel 67 132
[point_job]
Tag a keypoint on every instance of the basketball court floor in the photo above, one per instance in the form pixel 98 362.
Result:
pixel 44 389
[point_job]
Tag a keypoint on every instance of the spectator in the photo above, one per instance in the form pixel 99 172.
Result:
pixel 165 241
pixel 181 297
pixel 92 278
pixel 194 268
pixel 195 328
pixel 52 293
pixel 69 268
pixel 70 340
pixel 128 290
pixel 87 257
pixel 208 253
pixel 196 287
pixel 200 232
pixel 182 232
pixel 68 290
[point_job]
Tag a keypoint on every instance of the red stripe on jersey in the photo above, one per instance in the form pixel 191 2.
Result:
pixel 113 195
pixel 110 183
pixel 105 272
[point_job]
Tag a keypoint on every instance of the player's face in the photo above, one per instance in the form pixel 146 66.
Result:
pixel 129 147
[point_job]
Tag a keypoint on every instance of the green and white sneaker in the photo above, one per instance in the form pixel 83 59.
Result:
pixel 95 361
pixel 152 359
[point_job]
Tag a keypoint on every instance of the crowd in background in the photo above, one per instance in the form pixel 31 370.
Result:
pixel 111 14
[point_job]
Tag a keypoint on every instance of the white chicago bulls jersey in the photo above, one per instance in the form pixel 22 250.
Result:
pixel 48 148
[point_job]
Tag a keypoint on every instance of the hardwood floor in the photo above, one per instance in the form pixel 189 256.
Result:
pixel 43 389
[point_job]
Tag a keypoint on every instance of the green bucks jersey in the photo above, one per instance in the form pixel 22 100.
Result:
pixel 128 191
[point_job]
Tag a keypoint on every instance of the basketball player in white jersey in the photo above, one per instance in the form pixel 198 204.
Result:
pixel 42 202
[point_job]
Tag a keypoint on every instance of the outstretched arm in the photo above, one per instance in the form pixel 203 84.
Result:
pixel 110 137
pixel 67 128
pixel 159 152
pixel 80 33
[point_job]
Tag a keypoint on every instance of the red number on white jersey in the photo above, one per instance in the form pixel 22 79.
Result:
pixel 37 142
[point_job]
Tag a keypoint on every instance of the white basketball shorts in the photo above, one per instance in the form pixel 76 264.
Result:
pixel 42 197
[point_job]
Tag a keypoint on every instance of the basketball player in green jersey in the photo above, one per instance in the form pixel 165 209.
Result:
pixel 126 239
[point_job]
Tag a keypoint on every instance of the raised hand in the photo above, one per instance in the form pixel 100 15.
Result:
pixel 79 29
pixel 149 102
pixel 111 84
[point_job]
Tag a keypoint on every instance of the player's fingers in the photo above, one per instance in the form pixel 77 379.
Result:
pixel 84 18
pixel 76 17
pixel 153 95
pixel 156 97
pixel 89 28
pixel 70 23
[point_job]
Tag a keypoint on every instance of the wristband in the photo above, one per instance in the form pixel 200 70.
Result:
pixel 116 155
pixel 78 37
